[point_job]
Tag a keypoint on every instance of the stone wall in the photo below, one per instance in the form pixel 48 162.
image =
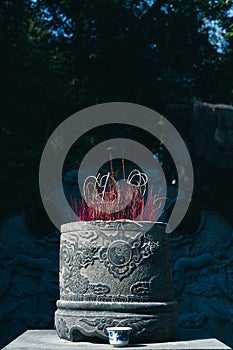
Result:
pixel 202 246
pixel 203 256
pixel 208 132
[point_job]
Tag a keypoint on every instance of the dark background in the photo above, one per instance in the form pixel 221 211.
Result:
pixel 58 57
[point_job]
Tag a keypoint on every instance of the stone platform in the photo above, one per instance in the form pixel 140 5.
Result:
pixel 48 340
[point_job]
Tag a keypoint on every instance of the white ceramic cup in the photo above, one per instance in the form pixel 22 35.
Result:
pixel 119 336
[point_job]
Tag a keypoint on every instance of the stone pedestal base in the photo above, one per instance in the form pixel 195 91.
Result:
pixel 81 321
pixel 48 340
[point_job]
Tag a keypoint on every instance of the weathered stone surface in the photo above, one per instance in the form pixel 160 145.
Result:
pixel 203 276
pixel 207 130
pixel 48 340
pixel 203 291
pixel 214 126
pixel 28 278
pixel 115 273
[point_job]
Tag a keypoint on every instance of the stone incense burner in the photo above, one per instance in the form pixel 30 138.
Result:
pixel 115 273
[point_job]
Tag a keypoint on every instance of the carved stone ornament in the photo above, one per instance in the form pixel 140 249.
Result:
pixel 115 273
